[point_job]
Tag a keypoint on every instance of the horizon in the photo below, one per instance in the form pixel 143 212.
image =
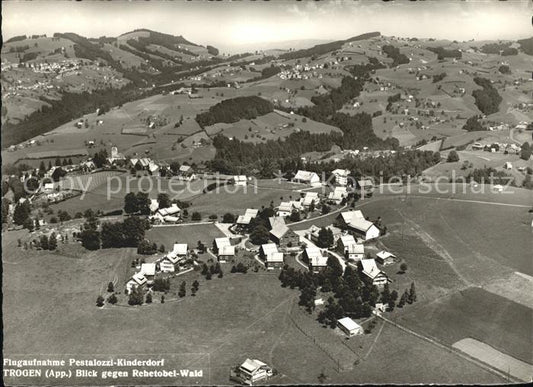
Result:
pixel 230 26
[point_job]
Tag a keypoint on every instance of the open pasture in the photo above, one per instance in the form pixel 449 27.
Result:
pixel 231 318
pixel 475 313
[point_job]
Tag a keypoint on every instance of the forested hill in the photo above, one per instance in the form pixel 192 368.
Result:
pixel 322 49
pixel 235 109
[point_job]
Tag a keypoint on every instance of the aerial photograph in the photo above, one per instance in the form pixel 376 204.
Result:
pixel 224 193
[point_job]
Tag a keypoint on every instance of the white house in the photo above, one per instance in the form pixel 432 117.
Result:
pixel 317 261
pixel 48 188
pixel 286 208
pixel 166 266
pixel 173 211
pixel 350 327
pixel 355 222
pixel 310 197
pixel 178 253
pixel 385 258
pixel 337 195
pixel 148 270
pixel 240 180
pixel 349 247
pixel 154 205
pixel 224 249
pixel 244 220
pixel 253 371
pixel 306 177
pixel 341 176
pixel 370 269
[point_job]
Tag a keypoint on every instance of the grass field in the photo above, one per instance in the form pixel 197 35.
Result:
pixel 230 319
pixel 496 359
pixel 478 314
pixel 168 235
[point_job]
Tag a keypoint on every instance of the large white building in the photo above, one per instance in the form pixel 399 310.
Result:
pixel 306 177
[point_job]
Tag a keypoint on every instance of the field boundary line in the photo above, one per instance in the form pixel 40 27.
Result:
pixel 451 350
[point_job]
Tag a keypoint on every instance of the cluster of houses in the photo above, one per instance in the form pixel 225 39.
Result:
pixel 166 264
pixel 497 147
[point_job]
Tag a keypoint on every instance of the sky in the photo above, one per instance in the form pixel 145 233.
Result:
pixel 232 24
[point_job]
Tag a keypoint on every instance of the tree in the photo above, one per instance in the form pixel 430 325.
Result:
pixel 143 203
pixel 164 200
pixel 325 209
pixel 220 274
pixel 403 299
pixel 213 217
pixel 162 298
pixel 525 151
pixel 112 299
pixel 182 291
pixel 208 275
pixel 90 239
pixel 110 287
pixel 21 213
pixel 43 242
pixel 136 296
pixel 295 216
pixel 162 248
pixel 149 298
pixel 195 285
pixel 52 241
pixel 452 157
pixel 228 218
pixel 259 235
pixel 385 294
pixel 29 224
pixel 472 124
pixel 196 216
pixel 325 238
pixel 412 294
pixel 100 301
pixel 403 267
pixel 130 203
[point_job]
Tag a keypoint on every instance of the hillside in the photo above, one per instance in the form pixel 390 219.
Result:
pixel 411 92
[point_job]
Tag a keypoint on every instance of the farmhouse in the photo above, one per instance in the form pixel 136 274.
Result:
pixel 341 176
pixel 270 254
pixel 171 211
pixel 370 269
pixel 244 220
pixel 315 258
pixel 166 266
pixel 385 258
pixel 313 231
pixel 138 279
pixel 282 235
pixel 350 327
pixel 286 208
pixel 186 172
pixel 178 253
pixel 148 270
pixel 224 249
pixel 338 194
pixel 349 247
pixel 354 221
pixel 306 177
pixel 310 197
pixel 240 180
pixel 253 371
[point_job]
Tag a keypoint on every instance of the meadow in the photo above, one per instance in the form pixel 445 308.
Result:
pixel 475 313
pixel 231 318
pixel 190 234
